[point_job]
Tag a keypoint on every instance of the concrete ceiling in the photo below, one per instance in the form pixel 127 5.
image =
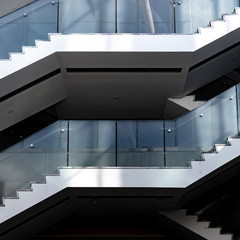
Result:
pixel 120 85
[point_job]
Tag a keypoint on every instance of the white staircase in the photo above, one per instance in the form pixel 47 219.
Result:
pixel 23 69
pixel 201 228
pixel 119 43
pixel 120 178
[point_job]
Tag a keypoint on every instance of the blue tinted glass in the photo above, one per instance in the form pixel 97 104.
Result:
pixel 83 134
pixel 27 24
pixel 126 134
pixel 51 137
pixel 150 134
pixel 87 16
pixel 170 134
pixel 92 143
pixel 193 14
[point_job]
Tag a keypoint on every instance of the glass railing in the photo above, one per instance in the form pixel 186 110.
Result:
pixel 36 20
pixel 123 143
pixel 197 131
pixel 33 158
pixel 24 26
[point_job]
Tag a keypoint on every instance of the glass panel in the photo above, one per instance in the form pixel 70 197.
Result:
pixel 200 129
pixel 193 14
pixel 33 158
pixel 87 16
pixel 140 143
pixel 92 143
pixel 170 134
pixel 24 26
pixel 36 20
pixel 11 36
pixel 216 120
pixel 150 140
pixel 131 16
pixel 41 20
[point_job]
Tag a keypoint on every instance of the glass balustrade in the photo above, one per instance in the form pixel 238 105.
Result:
pixel 197 131
pixel 140 144
pixel 24 26
pixel 132 143
pixel 122 143
pixel 33 158
pixel 191 14
pixel 34 21
pixel 92 143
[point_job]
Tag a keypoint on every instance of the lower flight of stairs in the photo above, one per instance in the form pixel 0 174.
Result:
pixel 201 173
pixel 191 222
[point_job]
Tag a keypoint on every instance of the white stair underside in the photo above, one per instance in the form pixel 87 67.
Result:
pixel 119 43
pixel 187 102
pixel 119 178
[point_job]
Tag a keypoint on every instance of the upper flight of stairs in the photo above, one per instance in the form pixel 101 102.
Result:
pixel 88 43
pixel 44 70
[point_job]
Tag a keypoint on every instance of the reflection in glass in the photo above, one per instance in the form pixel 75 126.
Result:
pixel 192 14
pixel 25 25
pixel 87 16
pixel 199 130
pixel 92 143
pixel 140 143
pixel 33 158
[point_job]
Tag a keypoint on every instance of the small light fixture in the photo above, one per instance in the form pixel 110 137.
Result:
pixel 53 3
pixel 31 145
pixel 201 115
pixel 179 3
pixel 231 98
pixel 62 130
pixel 25 14
pixel 169 130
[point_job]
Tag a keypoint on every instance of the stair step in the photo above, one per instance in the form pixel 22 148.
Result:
pixel 219 147
pixel 220 25
pixel 201 228
pixel 237 10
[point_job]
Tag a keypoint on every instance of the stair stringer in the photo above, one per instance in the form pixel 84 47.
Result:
pixel 120 178
pixel 120 43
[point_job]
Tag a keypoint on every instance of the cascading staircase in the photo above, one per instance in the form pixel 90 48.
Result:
pixel 48 93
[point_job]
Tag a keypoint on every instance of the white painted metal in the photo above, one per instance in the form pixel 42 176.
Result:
pixel 119 43
pixel 119 178
pixel 201 228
